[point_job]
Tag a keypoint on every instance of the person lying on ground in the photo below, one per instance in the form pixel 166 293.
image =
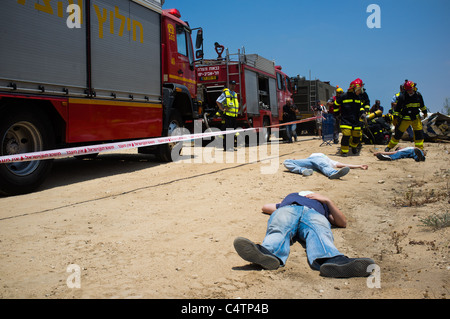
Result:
pixel 321 163
pixel 407 152
pixel 307 217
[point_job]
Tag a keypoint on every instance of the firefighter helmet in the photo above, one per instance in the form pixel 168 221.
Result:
pixel 358 80
pixel 409 86
pixel 355 84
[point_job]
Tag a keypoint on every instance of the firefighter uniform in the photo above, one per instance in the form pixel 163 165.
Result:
pixel 351 108
pixel 408 111
pixel 394 103
pixel 364 97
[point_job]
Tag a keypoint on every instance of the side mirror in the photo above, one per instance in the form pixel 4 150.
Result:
pixel 199 54
pixel 199 40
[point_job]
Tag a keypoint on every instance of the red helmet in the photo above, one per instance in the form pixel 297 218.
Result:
pixel 355 84
pixel 409 85
pixel 358 80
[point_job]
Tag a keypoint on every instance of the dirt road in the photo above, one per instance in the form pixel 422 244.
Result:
pixel 135 228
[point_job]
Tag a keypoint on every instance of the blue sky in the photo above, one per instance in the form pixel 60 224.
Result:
pixel 331 39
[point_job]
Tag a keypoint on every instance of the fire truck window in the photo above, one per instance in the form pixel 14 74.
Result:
pixel 263 88
pixel 280 81
pixel 288 84
pixel 181 41
pixel 189 48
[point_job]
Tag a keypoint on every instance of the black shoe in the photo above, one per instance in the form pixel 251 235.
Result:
pixel 342 172
pixel 387 149
pixel 419 154
pixel 356 150
pixel 344 267
pixel 383 157
pixel 256 254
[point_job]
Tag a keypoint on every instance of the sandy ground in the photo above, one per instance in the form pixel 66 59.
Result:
pixel 136 228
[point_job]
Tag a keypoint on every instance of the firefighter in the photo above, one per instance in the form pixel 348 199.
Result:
pixel 409 104
pixel 394 104
pixel 394 113
pixel 378 130
pixel 364 97
pixel 228 104
pixel 351 108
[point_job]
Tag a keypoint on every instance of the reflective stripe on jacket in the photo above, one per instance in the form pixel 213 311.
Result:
pixel 351 108
pixel 409 107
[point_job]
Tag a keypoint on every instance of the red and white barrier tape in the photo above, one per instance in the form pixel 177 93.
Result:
pixel 110 147
pixel 296 122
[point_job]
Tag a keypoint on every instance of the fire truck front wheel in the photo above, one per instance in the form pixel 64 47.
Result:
pixel 23 131
pixel 170 152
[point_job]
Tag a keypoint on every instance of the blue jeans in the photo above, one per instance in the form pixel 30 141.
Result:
pixel 316 163
pixel 405 153
pixel 291 130
pixel 293 222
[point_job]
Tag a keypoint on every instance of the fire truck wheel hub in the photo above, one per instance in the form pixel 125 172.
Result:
pixel 22 137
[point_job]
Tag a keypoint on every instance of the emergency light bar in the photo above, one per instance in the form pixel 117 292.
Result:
pixel 175 13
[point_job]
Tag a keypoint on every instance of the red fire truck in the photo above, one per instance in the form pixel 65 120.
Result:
pixel 262 89
pixel 126 71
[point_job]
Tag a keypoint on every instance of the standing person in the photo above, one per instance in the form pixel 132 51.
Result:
pixel 409 104
pixel 319 109
pixel 290 116
pixel 321 163
pixel 337 116
pixel 377 107
pixel 307 217
pixel 364 97
pixel 352 110
pixel 394 103
pixel 394 113
pixel 228 103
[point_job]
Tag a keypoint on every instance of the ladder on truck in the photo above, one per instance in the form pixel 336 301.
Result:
pixel 228 62
pixel 312 94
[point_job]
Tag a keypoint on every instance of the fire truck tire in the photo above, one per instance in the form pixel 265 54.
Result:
pixel 170 152
pixel 24 131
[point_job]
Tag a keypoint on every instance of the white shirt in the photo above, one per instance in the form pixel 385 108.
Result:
pixel 323 156
pixel 222 96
